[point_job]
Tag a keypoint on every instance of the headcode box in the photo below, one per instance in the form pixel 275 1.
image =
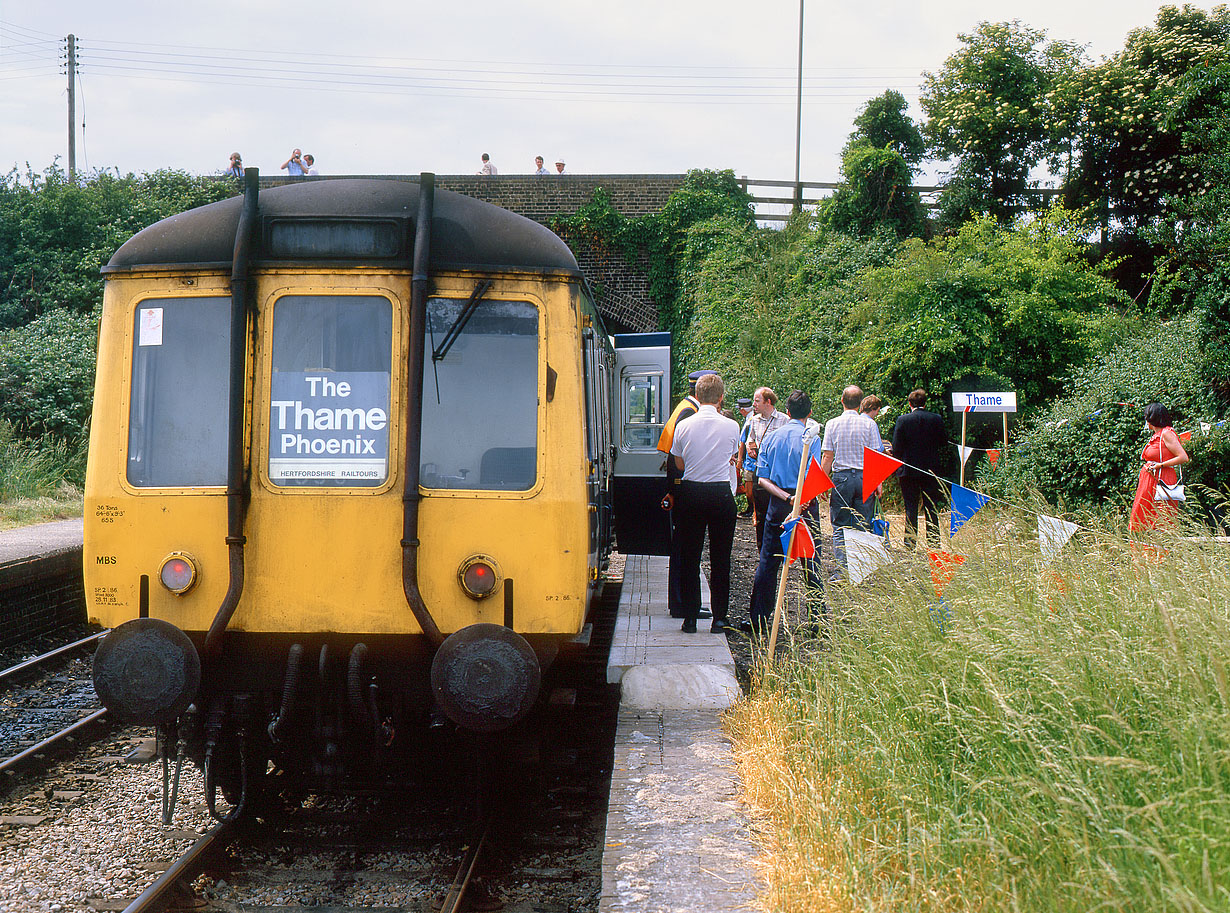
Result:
pixel 984 402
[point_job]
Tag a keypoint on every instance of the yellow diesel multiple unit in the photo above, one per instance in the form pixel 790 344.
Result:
pixel 350 457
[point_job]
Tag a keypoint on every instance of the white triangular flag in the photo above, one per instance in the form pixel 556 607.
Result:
pixel 1205 427
pixel 964 453
pixel 1053 534
pixel 864 553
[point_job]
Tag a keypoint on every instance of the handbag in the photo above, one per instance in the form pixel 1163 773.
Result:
pixel 879 527
pixel 1164 492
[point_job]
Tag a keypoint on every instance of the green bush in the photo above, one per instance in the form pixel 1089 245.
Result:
pixel 55 235
pixel 1084 450
pixel 768 306
pixel 1021 302
pixel 47 375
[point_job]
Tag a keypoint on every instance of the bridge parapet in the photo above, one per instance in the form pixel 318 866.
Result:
pixel 621 287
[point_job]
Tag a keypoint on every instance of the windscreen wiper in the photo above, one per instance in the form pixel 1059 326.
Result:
pixel 463 318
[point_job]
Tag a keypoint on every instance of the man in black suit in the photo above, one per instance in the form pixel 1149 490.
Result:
pixel 920 440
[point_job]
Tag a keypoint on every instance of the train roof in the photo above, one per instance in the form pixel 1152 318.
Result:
pixel 465 232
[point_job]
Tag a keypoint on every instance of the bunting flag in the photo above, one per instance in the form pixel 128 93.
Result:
pixel 1053 535
pixel 942 613
pixel 965 503
pixel 1056 583
pixel 943 566
pixel 1205 427
pixel 964 453
pixel 864 553
pixel 1185 437
pixel 816 482
pixel 876 468
pixel 797 541
pixel 993 456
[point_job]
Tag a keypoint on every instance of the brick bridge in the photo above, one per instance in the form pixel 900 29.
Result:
pixel 622 288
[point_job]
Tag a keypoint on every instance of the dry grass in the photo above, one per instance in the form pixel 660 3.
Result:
pixel 1064 745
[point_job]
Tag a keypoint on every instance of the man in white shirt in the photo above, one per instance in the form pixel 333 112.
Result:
pixel 487 168
pixel 842 458
pixel 764 420
pixel 704 448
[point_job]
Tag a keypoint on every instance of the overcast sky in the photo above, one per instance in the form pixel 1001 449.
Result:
pixel 389 86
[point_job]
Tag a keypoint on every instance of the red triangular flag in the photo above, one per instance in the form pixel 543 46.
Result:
pixel 993 456
pixel 1186 437
pixel 816 482
pixel 801 543
pixel 876 468
pixel 943 566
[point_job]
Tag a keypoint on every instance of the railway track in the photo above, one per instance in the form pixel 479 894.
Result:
pixel 47 701
pixel 512 823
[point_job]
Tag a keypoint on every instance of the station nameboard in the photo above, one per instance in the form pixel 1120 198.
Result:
pixel 984 402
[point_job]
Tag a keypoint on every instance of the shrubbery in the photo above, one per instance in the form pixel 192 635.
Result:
pixel 1083 449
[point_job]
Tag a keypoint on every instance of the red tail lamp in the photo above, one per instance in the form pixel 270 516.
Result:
pixel 479 576
pixel 178 572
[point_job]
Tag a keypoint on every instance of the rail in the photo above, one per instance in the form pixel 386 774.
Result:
pixel 20 758
pixel 184 868
pixel 808 194
pixel 49 655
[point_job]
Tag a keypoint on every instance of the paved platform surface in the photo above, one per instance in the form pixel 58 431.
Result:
pixel 677 838
pixel 27 542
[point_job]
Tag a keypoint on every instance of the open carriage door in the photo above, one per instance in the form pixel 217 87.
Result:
pixel 641 406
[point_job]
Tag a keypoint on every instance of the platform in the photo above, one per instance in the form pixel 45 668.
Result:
pixel 26 542
pixel 677 838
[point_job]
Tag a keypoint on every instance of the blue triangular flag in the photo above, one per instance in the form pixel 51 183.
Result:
pixel 965 503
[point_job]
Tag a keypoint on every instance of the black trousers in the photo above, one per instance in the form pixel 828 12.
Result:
pixel 924 489
pixel 760 499
pixel 701 507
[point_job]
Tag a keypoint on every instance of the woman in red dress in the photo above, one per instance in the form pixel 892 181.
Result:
pixel 1161 455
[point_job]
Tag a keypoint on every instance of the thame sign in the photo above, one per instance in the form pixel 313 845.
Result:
pixel 984 402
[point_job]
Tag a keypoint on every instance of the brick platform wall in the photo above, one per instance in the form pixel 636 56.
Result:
pixel 622 288
pixel 41 595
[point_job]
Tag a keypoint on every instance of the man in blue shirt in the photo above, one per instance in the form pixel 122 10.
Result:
pixel 777 472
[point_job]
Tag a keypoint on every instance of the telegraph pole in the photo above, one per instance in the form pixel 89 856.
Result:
pixel 798 126
pixel 72 109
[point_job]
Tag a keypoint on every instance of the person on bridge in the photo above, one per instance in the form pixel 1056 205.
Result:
pixel 704 449
pixel 487 168
pixel 539 167
pixel 559 166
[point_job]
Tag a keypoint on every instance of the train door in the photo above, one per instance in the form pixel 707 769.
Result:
pixel 641 405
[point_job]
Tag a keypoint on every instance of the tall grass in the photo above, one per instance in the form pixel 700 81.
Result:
pixel 1063 746
pixel 39 479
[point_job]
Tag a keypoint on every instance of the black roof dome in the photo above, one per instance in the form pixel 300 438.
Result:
pixel 465 231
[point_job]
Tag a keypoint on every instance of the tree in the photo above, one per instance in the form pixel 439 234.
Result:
pixel 1021 303
pixel 883 124
pixel 877 193
pixel 987 107
pixel 1113 126
pixel 877 172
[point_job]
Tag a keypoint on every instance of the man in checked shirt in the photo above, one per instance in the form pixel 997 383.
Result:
pixel 842 458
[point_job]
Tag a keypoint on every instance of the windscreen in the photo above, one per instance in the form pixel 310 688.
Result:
pixel 329 391
pixel 177 409
pixel 480 395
